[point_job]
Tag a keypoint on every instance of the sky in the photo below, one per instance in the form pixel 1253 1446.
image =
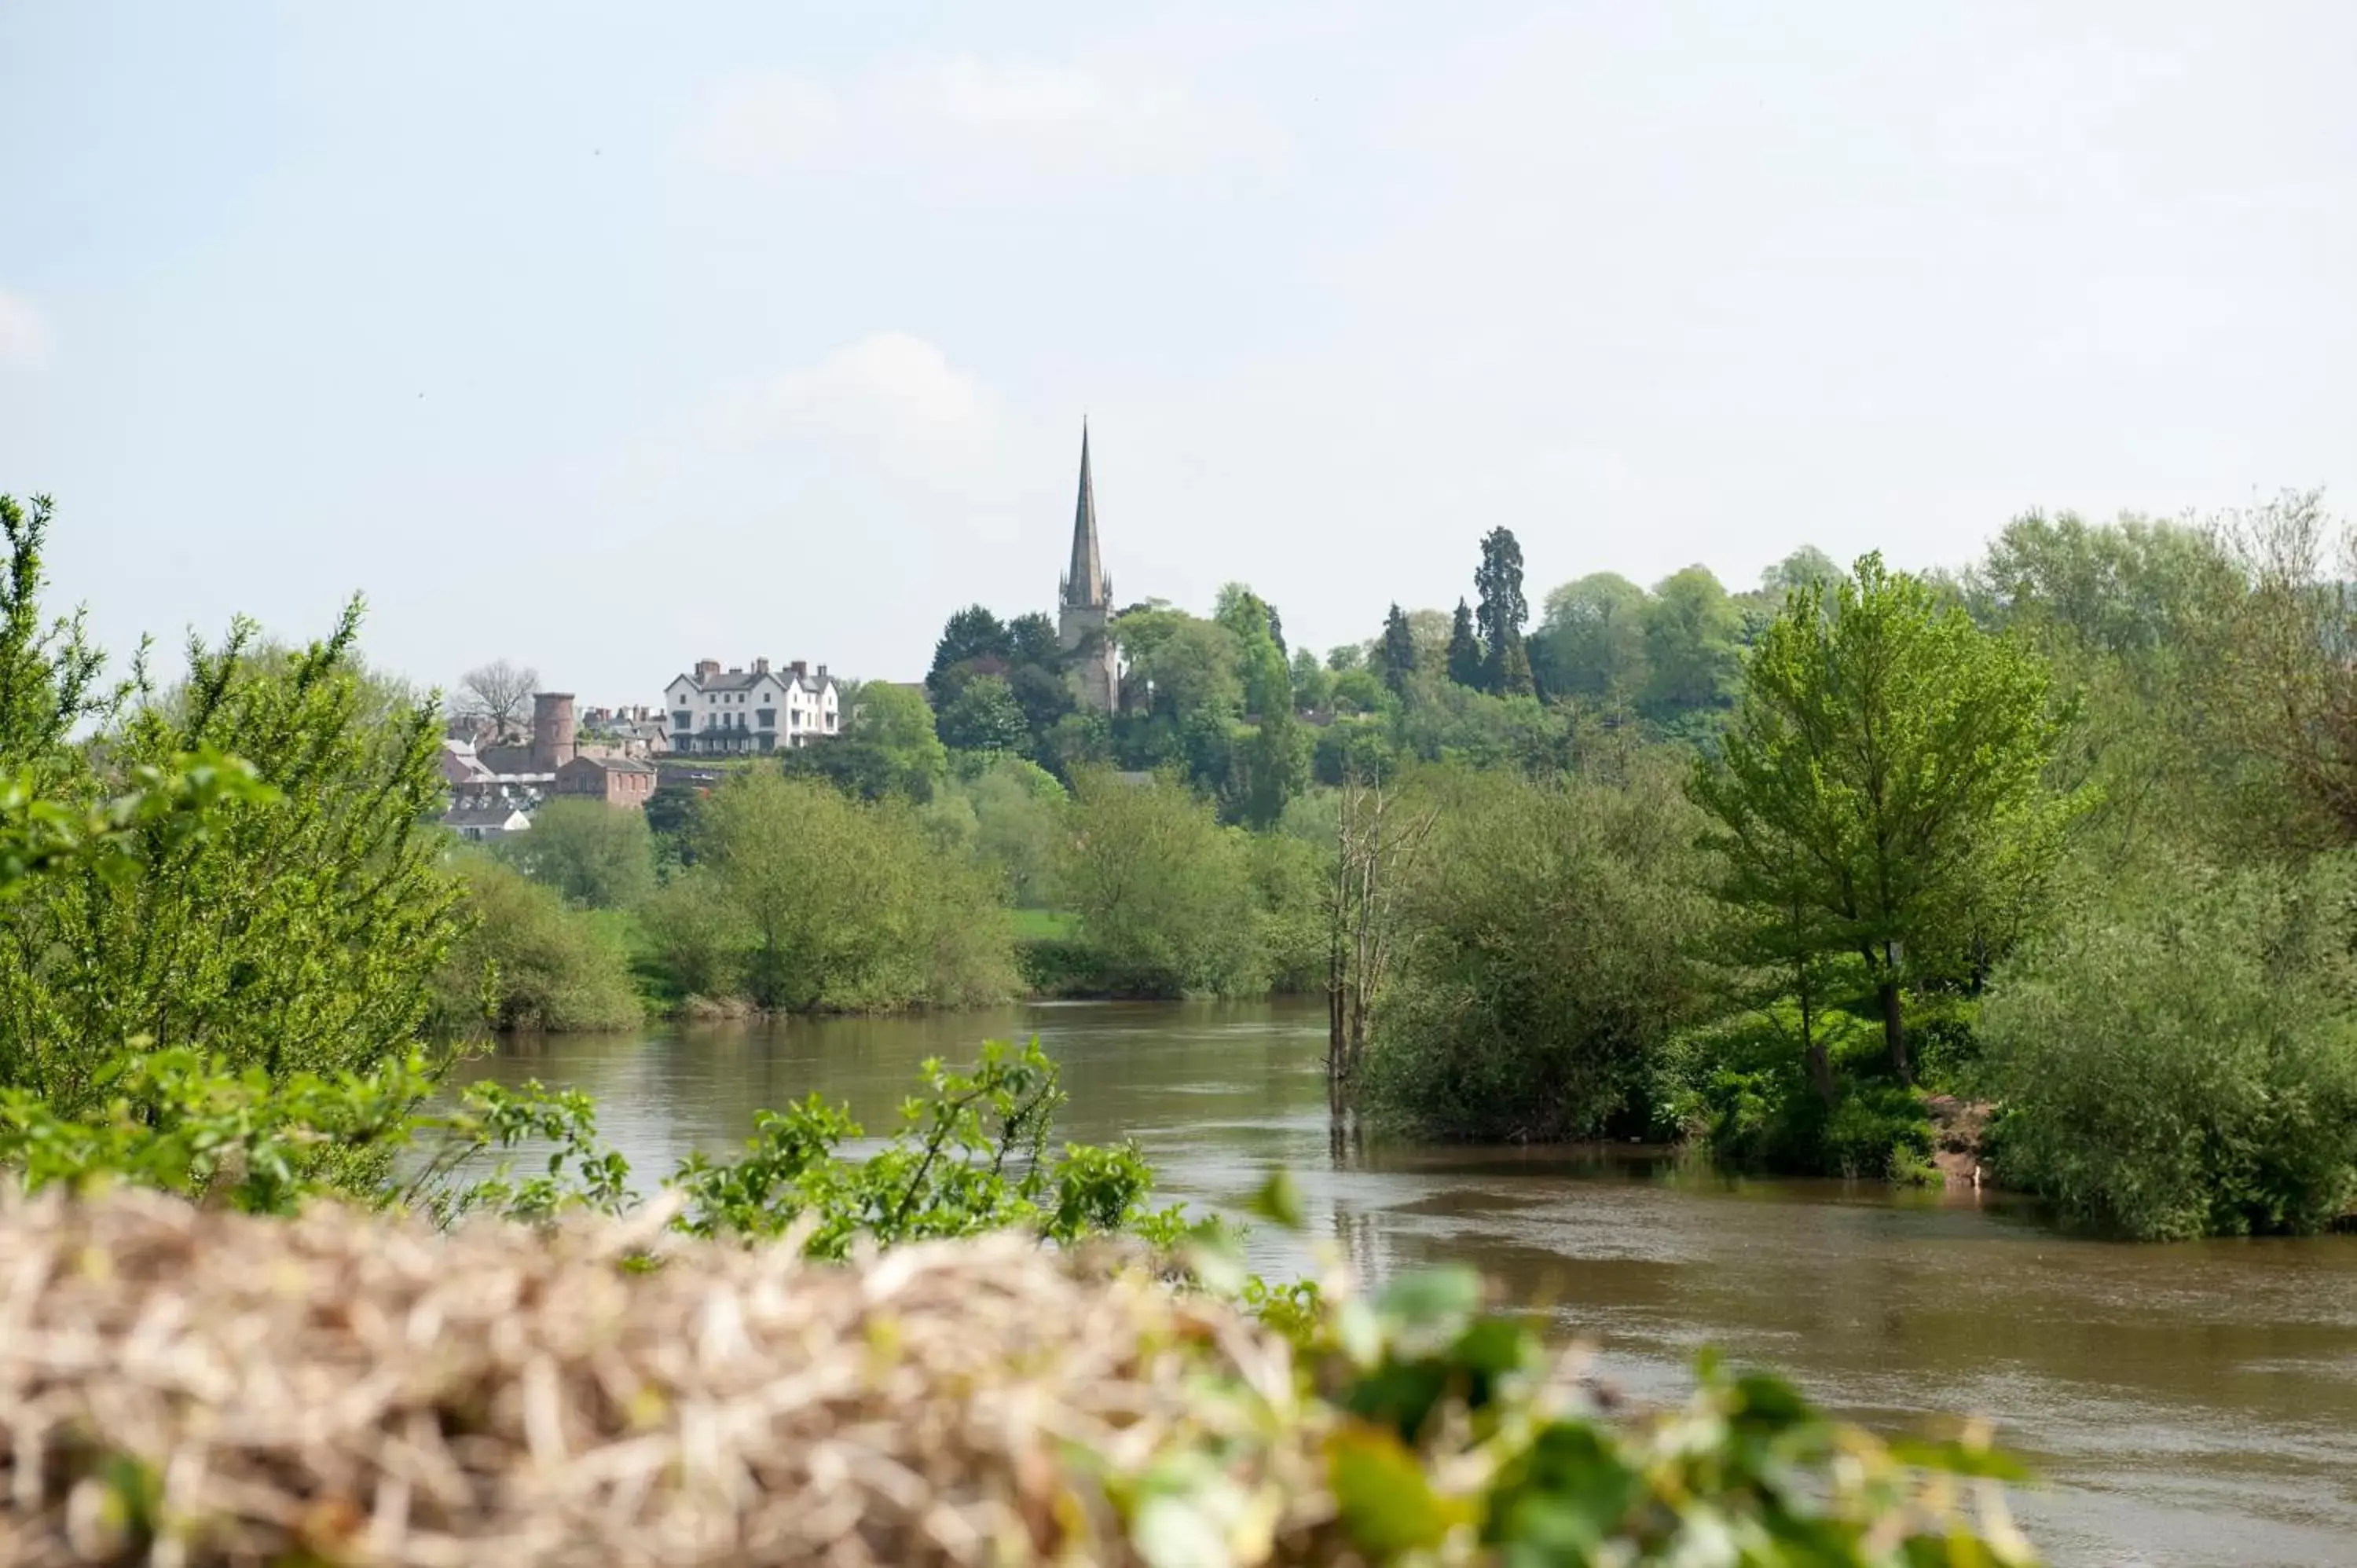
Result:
pixel 606 336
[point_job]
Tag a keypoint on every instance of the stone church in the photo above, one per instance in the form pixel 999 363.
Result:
pixel 1084 605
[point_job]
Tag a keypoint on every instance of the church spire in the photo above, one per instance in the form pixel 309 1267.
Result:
pixel 1086 585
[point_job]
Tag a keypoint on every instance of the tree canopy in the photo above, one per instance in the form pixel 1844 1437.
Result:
pixel 1886 760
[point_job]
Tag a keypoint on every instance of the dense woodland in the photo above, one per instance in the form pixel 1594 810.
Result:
pixel 2061 839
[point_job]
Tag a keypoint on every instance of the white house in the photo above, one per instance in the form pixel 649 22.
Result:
pixel 716 711
pixel 479 822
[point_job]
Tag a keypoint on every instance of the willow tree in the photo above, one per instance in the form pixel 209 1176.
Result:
pixel 1884 770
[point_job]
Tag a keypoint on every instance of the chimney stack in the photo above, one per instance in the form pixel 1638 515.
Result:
pixel 705 668
pixel 760 667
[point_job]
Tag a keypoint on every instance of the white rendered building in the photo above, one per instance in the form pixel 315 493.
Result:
pixel 716 712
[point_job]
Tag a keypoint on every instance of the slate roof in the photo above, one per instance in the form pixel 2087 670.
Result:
pixel 745 680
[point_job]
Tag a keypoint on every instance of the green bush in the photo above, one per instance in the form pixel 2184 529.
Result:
pixel 803 900
pixel 590 853
pixel 2184 1062
pixel 1740 1087
pixel 1544 966
pixel 693 934
pixel 301 929
pixel 1165 893
pixel 530 962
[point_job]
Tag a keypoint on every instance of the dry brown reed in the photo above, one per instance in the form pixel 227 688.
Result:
pixel 187 1387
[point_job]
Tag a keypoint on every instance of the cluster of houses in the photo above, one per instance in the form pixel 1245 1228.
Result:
pixel 497 777
pixel 621 756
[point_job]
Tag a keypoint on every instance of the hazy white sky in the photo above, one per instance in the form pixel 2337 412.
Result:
pixel 606 335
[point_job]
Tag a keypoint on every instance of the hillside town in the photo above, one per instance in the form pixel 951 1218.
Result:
pixel 502 765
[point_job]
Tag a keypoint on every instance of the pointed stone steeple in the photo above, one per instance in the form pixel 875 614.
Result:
pixel 1085 586
pixel 1093 660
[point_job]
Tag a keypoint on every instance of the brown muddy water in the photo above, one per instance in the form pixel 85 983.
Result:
pixel 2185 1404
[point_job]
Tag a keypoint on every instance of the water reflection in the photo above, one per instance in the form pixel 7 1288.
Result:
pixel 2191 1404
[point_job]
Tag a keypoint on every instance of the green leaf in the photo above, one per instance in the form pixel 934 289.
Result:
pixel 1385 1501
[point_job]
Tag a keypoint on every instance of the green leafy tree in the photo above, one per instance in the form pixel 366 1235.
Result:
pixel 1805 567
pixel 1359 692
pixel 888 746
pixel 1189 669
pixel 1164 892
pixel 586 851
pixel 697 936
pixel 2139 622
pixel 1018 810
pixel 973 633
pixel 983 717
pixel 1503 615
pixel 1886 756
pixel 1693 645
pixel 1468 664
pixel 1260 654
pixel 1313 684
pixel 845 906
pixel 1031 640
pixel 1591 643
pixel 1545 962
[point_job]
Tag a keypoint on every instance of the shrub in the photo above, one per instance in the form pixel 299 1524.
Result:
pixel 1739 1086
pixel 1165 893
pixel 588 852
pixel 301 930
pixel 693 934
pixel 2185 1061
pixel 530 962
pixel 1544 965
pixel 834 905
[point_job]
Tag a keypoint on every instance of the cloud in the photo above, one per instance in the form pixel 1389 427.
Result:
pixel 991 128
pixel 889 387
pixel 23 332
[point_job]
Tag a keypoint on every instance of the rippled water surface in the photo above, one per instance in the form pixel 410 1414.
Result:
pixel 2191 1404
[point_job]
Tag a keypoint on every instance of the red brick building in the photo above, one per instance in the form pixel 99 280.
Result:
pixel 623 781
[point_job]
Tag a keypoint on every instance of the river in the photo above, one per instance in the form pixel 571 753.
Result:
pixel 2188 1404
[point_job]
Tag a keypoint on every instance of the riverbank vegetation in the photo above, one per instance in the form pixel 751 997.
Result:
pixel 1769 870
pixel 1168 1410
pixel 1762 872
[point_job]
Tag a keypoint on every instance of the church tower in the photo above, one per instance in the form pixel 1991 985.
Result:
pixel 1084 603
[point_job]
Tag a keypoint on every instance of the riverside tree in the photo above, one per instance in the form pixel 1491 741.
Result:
pixel 833 904
pixel 1164 892
pixel 1886 756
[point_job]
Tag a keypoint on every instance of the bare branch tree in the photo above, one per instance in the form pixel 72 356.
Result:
pixel 2292 651
pixel 499 694
pixel 1375 845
